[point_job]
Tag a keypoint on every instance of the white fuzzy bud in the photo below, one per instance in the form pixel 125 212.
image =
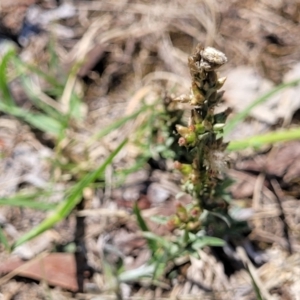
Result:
pixel 213 56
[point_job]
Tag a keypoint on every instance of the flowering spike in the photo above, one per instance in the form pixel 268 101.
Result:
pixel 206 150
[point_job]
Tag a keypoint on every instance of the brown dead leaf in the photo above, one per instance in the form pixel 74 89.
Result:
pixel 57 269
pixel 282 161
pixel 243 186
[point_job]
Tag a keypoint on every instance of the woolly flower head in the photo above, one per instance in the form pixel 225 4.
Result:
pixel 212 58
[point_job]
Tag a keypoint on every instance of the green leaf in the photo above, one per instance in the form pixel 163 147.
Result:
pixel 65 207
pixel 265 139
pixel 207 241
pixel 221 216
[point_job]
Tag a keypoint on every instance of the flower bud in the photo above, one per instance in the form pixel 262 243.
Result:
pixel 195 212
pixel 173 223
pixel 188 136
pixel 182 142
pixel 197 96
pixel 182 213
pixel 185 169
pixel 191 138
pixel 199 128
pixel 193 226
pixel 177 165
pixel 194 177
pixel 220 82
pixel 218 126
pixel 213 55
pixel 182 130
pixel 196 116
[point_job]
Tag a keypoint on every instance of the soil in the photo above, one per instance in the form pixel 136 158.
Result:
pixel 133 52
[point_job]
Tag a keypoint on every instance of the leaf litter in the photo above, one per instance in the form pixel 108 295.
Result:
pixel 132 52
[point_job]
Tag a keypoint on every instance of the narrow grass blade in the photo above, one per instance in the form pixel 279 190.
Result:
pixel 140 219
pixel 43 122
pixel 64 209
pixel 230 125
pixel 207 241
pixel 3 240
pixel 255 287
pixel 7 105
pixel 158 239
pixel 122 174
pixel 27 201
pixel 4 89
pixel 75 110
pixel 265 139
pixel 33 91
pixel 117 124
pixel 135 274
pixel 50 79
pixel 109 274
pixel 39 121
pixel 143 226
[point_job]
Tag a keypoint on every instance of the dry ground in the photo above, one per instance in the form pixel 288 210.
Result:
pixel 133 51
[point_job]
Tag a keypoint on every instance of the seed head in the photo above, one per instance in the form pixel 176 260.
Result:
pixel 213 56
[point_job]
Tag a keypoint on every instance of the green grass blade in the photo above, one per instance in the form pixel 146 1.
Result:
pixel 131 275
pixel 3 240
pixel 117 124
pixel 64 209
pixel 158 239
pixel 31 91
pixel 265 139
pixel 4 89
pixel 143 226
pixel 230 125
pixel 7 105
pixel 75 107
pixel 43 122
pixel 39 121
pixel 207 241
pixel 140 219
pixel 256 288
pixel 27 201
pixel 50 79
